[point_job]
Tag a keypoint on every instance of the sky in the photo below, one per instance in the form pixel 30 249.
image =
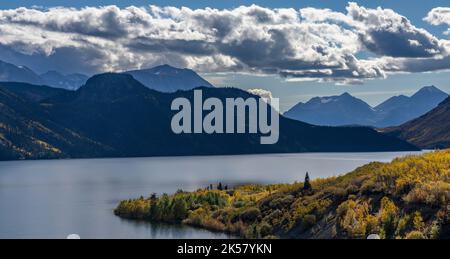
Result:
pixel 295 49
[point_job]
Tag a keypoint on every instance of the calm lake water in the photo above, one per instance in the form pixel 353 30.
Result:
pixel 52 199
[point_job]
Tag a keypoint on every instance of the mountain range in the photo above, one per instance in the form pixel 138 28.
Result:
pixel 162 78
pixel 400 109
pixel 114 115
pixel 348 110
pixel 69 82
pixel 429 131
pixel 333 111
pixel 169 79
pixel 13 73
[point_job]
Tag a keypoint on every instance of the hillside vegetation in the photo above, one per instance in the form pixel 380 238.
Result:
pixel 429 131
pixel 407 198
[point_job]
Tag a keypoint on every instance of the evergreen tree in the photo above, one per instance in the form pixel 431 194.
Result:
pixel 307 185
pixel 179 209
pixel 220 187
pixel 153 211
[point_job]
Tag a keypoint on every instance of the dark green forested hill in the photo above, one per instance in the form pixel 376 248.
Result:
pixel 429 131
pixel 407 198
pixel 31 93
pixel 27 132
pixel 113 115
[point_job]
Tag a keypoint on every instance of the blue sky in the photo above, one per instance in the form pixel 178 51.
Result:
pixel 372 91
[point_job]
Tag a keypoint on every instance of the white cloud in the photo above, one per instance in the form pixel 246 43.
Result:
pixel 439 16
pixel 305 44
pixel 414 43
pixel 263 93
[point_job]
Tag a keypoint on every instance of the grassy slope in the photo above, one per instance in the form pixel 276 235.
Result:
pixel 407 198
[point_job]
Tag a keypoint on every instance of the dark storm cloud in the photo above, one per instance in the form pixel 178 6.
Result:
pixel 387 33
pixel 401 44
pixel 190 47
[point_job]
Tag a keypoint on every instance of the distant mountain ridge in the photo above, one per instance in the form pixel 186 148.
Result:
pixel 348 110
pixel 114 115
pixel 13 73
pixel 168 79
pixel 162 78
pixel 20 74
pixel 429 131
pixel 68 82
pixel 400 109
pixel 333 111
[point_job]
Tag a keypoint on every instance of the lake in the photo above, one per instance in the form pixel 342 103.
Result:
pixel 55 198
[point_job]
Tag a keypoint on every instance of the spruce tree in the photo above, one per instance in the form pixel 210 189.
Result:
pixel 307 185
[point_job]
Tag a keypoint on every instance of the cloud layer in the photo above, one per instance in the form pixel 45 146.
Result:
pixel 305 44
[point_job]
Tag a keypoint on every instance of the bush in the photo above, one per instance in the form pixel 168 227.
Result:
pixel 250 215
pixel 352 189
pixel 239 203
pixel 354 219
pixel 274 217
pixel 238 228
pixel 282 202
pixel 265 229
pixel 434 193
pixel 372 224
pixel 435 230
pixel 336 191
pixel 308 221
pixel 402 225
pixel 419 225
pixel 415 235
pixel 179 210
pixel 352 197
pixel 388 217
pixel 196 217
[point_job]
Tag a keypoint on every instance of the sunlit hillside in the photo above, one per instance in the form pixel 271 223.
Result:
pixel 407 198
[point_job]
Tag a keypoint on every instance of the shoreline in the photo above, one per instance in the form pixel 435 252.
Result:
pixel 216 155
pixel 326 211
